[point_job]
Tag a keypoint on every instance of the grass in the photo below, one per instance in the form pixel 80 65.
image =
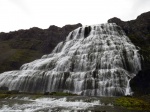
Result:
pixel 18 57
pixel 11 58
pixel 7 94
pixel 62 94
pixel 133 103
pixel 21 95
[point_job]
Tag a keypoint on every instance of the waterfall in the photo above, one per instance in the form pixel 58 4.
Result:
pixel 97 60
pixel 128 89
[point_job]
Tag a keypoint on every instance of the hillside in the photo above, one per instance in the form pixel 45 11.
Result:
pixel 23 46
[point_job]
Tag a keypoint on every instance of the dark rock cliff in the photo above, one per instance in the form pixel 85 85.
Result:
pixel 23 46
pixel 138 31
pixel 141 83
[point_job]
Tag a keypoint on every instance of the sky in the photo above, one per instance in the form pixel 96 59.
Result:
pixel 24 14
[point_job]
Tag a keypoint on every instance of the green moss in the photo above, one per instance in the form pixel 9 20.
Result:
pixel 4 95
pixel 23 55
pixel 36 96
pixel 17 58
pixel 132 103
pixel 61 94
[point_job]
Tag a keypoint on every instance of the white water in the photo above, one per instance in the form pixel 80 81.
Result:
pixel 50 104
pixel 128 88
pixel 96 60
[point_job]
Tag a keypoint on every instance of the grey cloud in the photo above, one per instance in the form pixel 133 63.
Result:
pixel 137 6
pixel 141 3
pixel 21 5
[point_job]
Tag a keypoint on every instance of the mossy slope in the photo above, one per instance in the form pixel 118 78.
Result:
pixel 133 103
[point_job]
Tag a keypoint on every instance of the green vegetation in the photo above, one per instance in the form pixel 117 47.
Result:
pixel 20 95
pixel 22 55
pixel 133 103
pixel 17 57
pixel 14 53
pixel 35 96
pixel 5 94
pixel 61 94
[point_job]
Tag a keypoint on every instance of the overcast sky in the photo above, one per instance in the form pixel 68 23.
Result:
pixel 24 14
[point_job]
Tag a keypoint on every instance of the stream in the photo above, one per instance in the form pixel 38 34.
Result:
pixel 60 104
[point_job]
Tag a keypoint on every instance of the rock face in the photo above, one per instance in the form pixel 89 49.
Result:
pixel 23 46
pixel 139 32
pixel 96 60
pixel 140 84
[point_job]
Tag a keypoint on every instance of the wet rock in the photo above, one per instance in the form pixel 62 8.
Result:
pixel 3 88
pixel 140 84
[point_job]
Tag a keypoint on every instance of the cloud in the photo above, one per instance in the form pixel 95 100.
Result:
pixel 141 2
pixel 21 5
pixel 139 6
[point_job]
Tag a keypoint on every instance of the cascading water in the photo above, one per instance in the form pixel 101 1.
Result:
pixel 96 60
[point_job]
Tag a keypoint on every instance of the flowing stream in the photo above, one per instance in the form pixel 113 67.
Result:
pixel 61 104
